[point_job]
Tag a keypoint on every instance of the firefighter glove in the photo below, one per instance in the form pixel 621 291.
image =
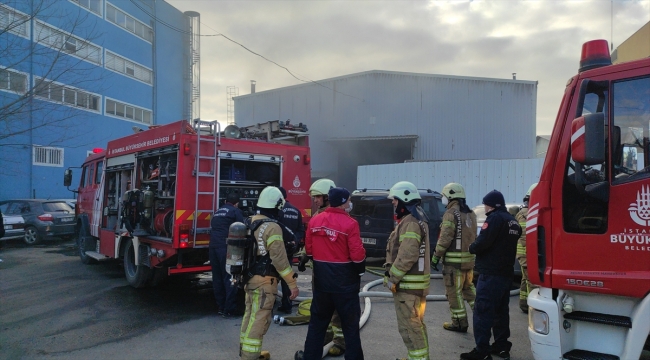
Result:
pixel 434 262
pixel 390 285
pixel 303 261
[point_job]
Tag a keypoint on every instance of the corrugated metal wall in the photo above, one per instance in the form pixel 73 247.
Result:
pixel 478 177
pixel 456 118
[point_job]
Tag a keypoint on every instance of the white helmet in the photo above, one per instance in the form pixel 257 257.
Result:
pixel 271 198
pixel 453 191
pixel 321 187
pixel 404 191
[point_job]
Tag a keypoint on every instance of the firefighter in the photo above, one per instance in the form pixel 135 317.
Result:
pixel 495 249
pixel 408 268
pixel 318 192
pixel 526 285
pixel 224 292
pixel 457 232
pixel 271 264
pixel 291 217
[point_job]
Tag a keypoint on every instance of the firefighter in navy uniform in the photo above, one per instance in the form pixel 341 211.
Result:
pixel 495 249
pixel 457 232
pixel 271 264
pixel 224 292
pixel 408 268
pixel 526 286
pixel 291 217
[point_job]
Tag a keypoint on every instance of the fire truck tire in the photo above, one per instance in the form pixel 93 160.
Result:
pixel 84 243
pixel 136 275
pixel 158 276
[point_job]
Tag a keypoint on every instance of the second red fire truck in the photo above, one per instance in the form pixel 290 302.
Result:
pixel 588 229
pixel 148 197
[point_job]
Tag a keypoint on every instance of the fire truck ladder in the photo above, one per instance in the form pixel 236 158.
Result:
pixel 205 189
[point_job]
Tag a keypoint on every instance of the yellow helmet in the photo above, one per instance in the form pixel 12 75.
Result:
pixel 453 191
pixel 404 191
pixel 321 187
pixel 271 198
pixel 530 190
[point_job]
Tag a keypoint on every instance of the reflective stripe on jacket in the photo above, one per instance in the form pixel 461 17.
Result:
pixel 407 256
pixel 452 247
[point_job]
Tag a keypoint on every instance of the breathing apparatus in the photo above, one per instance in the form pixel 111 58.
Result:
pixel 238 253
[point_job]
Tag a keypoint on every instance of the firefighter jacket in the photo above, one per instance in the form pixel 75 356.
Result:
pixel 496 245
pixel 407 256
pixel 220 224
pixel 333 241
pixel 291 217
pixel 521 217
pixel 457 232
pixel 269 241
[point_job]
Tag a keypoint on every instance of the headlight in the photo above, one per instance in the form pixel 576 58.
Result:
pixel 538 321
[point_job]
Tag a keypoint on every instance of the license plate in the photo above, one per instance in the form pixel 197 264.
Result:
pixel 9 227
pixel 369 241
pixel 67 219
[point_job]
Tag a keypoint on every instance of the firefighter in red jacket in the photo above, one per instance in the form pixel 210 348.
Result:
pixel 408 268
pixel 334 244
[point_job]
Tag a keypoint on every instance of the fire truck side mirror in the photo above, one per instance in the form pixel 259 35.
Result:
pixel 67 177
pixel 588 139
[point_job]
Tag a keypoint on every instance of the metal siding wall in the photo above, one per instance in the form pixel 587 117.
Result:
pixel 456 118
pixel 478 177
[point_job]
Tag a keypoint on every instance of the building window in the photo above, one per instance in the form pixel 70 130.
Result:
pixel 13 81
pixel 47 156
pixel 126 111
pixel 128 68
pixel 61 41
pixel 14 21
pixel 66 95
pixel 129 23
pixel 92 5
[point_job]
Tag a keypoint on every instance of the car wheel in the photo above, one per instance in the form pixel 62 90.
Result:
pixel 136 275
pixel 31 236
pixel 84 243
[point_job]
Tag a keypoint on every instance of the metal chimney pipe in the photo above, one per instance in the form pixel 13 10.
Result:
pixel 514 76
pixel 253 86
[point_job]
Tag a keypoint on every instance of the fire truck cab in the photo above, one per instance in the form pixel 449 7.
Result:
pixel 588 228
pixel 149 197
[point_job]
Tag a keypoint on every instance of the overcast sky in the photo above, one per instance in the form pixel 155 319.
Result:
pixel 539 40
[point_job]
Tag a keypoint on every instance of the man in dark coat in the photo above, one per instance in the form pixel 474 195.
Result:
pixel 224 292
pixel 290 217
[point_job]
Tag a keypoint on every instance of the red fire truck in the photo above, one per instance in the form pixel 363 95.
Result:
pixel 588 229
pixel 149 197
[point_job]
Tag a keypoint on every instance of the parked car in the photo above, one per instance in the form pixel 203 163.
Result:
pixel 14 226
pixel 480 219
pixel 374 212
pixel 44 219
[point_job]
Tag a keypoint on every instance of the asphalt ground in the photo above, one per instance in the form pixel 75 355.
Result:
pixel 54 307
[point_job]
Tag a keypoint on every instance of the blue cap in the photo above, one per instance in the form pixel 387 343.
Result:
pixel 338 196
pixel 494 199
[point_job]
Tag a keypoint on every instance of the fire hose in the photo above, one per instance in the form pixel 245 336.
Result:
pixel 383 294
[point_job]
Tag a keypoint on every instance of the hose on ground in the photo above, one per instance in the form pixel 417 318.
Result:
pixel 383 294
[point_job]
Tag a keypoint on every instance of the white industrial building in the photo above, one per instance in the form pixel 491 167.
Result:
pixel 385 117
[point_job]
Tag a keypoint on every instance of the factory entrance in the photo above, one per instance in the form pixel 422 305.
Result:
pixel 353 152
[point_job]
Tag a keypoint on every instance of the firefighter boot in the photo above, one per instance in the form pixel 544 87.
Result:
pixel 336 350
pixel 265 355
pixel 300 355
pixel 456 326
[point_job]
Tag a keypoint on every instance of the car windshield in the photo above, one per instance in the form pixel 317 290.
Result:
pixel 59 206
pixel 372 206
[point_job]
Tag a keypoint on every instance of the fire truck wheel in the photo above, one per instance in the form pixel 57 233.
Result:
pixel 136 275
pixel 158 276
pixel 84 243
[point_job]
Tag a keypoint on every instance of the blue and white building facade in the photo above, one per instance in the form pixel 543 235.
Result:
pixel 75 74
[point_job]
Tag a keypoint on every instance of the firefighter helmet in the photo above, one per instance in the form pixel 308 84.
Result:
pixel 321 187
pixel 530 190
pixel 453 191
pixel 271 198
pixel 404 191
